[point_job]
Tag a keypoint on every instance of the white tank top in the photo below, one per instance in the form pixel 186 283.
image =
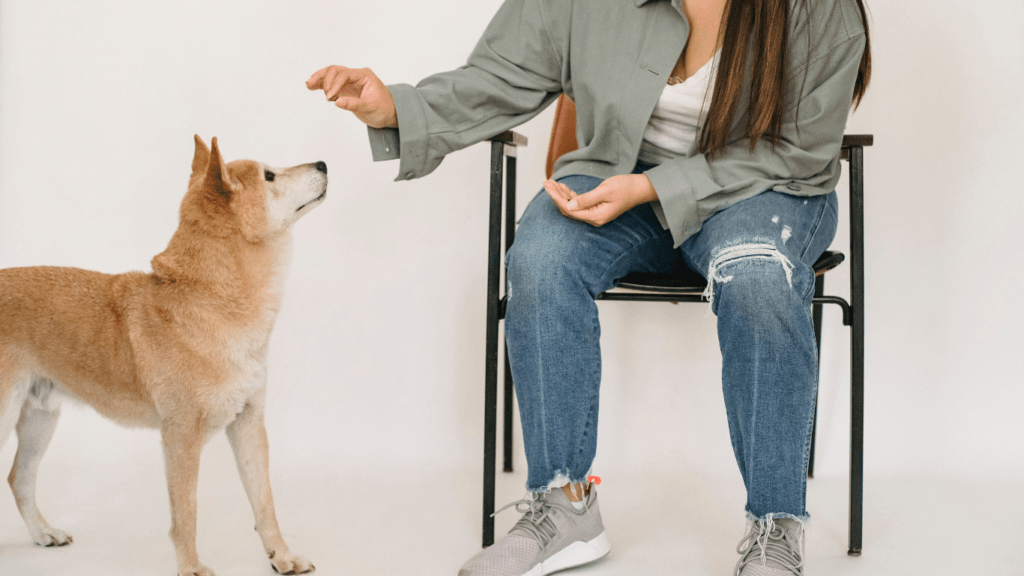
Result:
pixel 672 129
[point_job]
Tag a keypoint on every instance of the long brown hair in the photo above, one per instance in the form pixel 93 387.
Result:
pixel 764 24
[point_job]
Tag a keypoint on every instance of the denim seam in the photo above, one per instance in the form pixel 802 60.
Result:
pixel 807 245
pixel 540 378
pixel 810 420
pixel 589 423
pixel 807 442
pixel 814 230
pixel 587 428
pixel 753 430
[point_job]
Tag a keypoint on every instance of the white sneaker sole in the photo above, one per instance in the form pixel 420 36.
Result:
pixel 575 554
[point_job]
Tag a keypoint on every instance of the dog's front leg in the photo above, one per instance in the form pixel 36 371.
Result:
pixel 183 444
pixel 248 437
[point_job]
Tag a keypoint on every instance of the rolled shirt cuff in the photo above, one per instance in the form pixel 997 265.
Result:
pixel 677 188
pixel 408 142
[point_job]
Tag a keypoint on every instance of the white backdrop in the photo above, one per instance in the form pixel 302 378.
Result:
pixel 377 358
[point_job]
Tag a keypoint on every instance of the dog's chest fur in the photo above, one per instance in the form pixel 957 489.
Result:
pixel 222 332
pixel 243 351
pixel 246 381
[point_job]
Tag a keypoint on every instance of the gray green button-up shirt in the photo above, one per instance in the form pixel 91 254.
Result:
pixel 613 58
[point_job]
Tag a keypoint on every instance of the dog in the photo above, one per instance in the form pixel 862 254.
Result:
pixel 182 349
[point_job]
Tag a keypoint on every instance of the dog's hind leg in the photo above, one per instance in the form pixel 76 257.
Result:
pixel 248 437
pixel 38 420
pixel 13 388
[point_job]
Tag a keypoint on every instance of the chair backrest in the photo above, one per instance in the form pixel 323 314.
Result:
pixel 563 133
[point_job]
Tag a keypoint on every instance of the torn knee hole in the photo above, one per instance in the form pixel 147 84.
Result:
pixel 742 252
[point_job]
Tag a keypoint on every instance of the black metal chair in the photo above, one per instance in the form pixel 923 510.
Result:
pixel 682 286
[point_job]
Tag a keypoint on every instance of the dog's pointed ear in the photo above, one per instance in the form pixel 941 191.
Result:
pixel 201 158
pixel 217 171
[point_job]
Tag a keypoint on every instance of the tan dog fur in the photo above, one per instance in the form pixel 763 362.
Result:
pixel 182 349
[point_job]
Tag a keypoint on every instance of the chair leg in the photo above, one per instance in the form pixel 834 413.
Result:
pixel 857 440
pixel 510 236
pixel 490 430
pixel 509 389
pixel 856 159
pixel 819 291
pixel 491 358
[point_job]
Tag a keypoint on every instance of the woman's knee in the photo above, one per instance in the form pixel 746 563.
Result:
pixel 536 263
pixel 546 249
pixel 761 286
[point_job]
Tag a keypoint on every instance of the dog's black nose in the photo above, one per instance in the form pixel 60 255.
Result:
pixel 321 166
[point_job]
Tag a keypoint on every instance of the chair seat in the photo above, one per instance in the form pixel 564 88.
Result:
pixel 687 281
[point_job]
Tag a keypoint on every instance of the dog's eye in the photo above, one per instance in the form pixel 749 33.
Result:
pixel 268 175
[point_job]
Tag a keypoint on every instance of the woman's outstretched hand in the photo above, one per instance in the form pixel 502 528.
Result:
pixel 359 91
pixel 608 201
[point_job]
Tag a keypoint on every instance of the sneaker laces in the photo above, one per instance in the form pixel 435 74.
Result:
pixel 537 521
pixel 768 541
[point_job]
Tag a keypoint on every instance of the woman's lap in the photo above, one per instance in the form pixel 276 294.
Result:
pixel 796 229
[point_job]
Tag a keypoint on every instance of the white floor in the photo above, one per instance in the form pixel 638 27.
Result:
pixel 426 522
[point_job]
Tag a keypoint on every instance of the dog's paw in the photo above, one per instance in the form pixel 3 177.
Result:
pixel 198 571
pixel 288 563
pixel 51 537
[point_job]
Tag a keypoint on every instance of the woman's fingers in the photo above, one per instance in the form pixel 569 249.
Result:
pixel 588 200
pixel 334 79
pixel 590 207
pixel 346 103
pixel 612 198
pixel 337 81
pixel 561 195
pixel 315 81
pixel 359 91
pixel 569 191
pixel 356 105
pixel 557 196
pixel 330 81
pixel 599 206
pixel 596 214
pixel 559 191
pixel 606 202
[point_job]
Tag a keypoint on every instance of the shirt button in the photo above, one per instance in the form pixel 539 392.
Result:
pixel 386 149
pixel 408 175
pixel 794 187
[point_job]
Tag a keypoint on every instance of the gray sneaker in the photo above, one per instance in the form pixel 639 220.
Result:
pixel 772 548
pixel 552 535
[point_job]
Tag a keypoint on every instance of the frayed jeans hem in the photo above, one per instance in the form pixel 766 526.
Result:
pixel 561 479
pixel 777 515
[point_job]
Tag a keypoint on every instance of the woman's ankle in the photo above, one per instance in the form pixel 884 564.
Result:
pixel 577 492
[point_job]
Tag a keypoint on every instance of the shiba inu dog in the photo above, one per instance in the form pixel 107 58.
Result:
pixel 182 349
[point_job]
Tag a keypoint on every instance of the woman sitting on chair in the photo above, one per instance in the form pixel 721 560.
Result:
pixel 709 134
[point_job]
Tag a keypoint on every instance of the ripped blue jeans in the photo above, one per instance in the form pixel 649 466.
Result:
pixel 758 254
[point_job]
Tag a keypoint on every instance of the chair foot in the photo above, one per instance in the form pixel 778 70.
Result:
pixel 853 552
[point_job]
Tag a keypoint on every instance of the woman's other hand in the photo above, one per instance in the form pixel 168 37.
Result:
pixel 608 201
pixel 359 91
